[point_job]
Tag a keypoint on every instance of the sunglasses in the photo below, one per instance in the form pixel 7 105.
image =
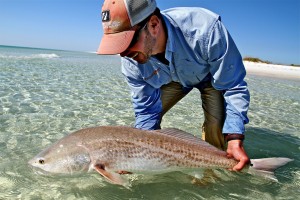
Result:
pixel 136 36
pixel 134 40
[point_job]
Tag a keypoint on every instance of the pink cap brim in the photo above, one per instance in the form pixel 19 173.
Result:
pixel 115 43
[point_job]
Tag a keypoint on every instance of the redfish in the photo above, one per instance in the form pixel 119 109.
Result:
pixel 116 150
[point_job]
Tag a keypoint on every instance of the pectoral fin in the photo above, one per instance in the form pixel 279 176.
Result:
pixel 111 176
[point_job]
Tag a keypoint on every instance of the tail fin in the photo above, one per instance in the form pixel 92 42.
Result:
pixel 265 167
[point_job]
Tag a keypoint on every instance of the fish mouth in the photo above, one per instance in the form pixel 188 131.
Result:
pixel 37 170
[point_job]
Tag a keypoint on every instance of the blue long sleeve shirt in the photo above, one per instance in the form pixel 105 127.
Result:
pixel 198 48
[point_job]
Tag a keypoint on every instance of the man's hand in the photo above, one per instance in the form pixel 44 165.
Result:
pixel 236 150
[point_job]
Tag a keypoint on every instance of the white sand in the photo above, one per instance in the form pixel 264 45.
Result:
pixel 272 70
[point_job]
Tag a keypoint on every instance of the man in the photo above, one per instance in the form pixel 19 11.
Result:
pixel 165 55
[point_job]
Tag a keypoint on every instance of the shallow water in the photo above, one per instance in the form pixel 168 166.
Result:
pixel 46 94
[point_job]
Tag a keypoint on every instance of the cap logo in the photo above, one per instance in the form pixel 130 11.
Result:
pixel 105 16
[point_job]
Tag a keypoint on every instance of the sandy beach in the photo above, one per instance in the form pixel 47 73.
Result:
pixel 273 70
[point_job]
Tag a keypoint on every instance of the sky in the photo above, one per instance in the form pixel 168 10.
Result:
pixel 266 29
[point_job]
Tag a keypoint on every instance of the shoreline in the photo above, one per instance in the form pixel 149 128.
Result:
pixel 273 70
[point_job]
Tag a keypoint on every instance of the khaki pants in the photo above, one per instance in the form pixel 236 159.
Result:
pixel 213 108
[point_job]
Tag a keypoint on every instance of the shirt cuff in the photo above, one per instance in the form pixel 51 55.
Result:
pixel 233 126
pixel 148 122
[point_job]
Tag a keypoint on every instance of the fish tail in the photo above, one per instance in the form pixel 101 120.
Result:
pixel 265 167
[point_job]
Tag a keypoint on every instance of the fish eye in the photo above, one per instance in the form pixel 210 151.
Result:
pixel 41 161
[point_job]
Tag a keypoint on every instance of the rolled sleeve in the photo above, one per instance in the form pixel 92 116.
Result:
pixel 228 73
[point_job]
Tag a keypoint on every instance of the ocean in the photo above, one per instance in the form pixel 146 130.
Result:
pixel 47 94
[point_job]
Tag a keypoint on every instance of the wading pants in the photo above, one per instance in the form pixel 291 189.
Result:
pixel 213 108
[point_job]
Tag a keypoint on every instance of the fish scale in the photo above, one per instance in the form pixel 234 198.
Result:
pixel 164 152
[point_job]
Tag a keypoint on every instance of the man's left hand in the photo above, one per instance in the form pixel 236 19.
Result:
pixel 236 150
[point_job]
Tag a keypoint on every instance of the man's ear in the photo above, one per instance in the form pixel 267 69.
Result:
pixel 154 24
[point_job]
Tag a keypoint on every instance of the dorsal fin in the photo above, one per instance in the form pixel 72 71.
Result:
pixel 177 133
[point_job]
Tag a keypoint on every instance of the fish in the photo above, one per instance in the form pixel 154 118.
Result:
pixel 113 151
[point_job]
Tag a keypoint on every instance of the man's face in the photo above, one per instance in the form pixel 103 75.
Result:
pixel 141 47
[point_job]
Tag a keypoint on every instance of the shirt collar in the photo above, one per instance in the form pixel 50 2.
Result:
pixel 170 46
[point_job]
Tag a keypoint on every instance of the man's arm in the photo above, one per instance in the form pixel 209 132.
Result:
pixel 228 73
pixel 145 98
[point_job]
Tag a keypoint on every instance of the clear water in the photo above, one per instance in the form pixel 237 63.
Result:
pixel 46 94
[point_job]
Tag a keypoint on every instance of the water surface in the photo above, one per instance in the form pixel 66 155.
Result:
pixel 46 94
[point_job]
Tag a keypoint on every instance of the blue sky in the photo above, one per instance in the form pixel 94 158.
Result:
pixel 268 29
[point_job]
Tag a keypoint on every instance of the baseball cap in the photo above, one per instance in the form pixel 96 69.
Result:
pixel 118 20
